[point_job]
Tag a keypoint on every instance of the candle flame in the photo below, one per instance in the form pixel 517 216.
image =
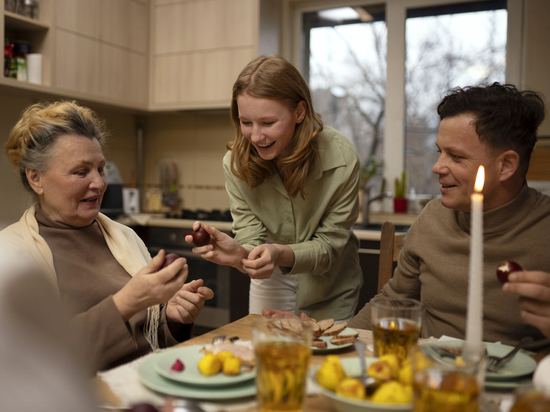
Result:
pixel 480 179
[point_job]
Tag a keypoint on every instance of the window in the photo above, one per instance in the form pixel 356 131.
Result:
pixel 345 63
pixel 469 48
pixel 379 81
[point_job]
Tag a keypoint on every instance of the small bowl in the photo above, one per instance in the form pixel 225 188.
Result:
pixel 345 404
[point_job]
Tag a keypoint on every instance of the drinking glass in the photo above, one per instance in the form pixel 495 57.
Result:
pixel 396 325
pixel 443 384
pixel 530 399
pixel 283 349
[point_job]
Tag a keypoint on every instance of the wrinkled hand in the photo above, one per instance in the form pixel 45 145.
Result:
pixel 260 262
pixel 151 286
pixel 276 314
pixel 533 288
pixel 187 303
pixel 222 249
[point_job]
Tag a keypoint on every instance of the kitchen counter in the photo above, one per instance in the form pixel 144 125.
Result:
pixel 159 220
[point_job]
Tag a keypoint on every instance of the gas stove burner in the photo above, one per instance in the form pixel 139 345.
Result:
pixel 215 215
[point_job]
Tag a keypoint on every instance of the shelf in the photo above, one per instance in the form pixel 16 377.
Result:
pixel 14 21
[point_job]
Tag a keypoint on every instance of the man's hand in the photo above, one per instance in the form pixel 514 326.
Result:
pixel 533 289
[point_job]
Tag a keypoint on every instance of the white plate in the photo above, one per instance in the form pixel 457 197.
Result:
pixel 190 357
pixel 332 347
pixel 344 404
pixel 149 377
pixel 520 365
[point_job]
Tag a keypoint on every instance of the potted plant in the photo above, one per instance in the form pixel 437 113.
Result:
pixel 399 199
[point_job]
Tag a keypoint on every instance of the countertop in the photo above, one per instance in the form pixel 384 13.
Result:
pixel 159 220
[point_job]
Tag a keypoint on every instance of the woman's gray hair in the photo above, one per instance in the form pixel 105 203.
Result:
pixel 31 141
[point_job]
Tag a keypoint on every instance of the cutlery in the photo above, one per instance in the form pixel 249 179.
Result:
pixel 369 382
pixel 494 362
pixel 218 339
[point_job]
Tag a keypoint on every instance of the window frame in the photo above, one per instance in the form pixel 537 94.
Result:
pixel 396 15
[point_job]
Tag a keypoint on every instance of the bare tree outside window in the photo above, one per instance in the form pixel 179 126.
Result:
pixel 446 47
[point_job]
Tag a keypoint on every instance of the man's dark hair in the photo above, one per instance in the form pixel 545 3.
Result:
pixel 505 118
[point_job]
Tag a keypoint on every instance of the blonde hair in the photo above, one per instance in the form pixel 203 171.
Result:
pixel 272 77
pixel 31 141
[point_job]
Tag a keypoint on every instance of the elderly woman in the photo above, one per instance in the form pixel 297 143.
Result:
pixel 123 302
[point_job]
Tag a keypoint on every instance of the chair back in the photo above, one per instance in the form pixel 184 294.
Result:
pixel 390 246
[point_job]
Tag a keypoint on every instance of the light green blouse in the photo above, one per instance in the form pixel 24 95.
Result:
pixel 317 228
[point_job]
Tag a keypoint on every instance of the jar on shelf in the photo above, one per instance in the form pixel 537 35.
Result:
pixel 28 8
pixel 10 5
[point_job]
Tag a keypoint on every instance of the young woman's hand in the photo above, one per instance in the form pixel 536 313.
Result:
pixel 151 286
pixel 187 303
pixel 222 248
pixel 533 288
pixel 262 260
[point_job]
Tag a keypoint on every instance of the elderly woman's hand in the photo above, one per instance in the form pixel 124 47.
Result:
pixel 533 288
pixel 186 304
pixel 151 286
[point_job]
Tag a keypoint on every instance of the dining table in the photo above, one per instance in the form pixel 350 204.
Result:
pixel 242 328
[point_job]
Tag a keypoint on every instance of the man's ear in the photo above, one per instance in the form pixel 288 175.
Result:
pixel 300 112
pixel 33 177
pixel 509 164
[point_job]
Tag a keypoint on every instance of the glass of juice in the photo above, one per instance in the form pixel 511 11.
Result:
pixel 444 384
pixel 283 349
pixel 396 325
pixel 530 399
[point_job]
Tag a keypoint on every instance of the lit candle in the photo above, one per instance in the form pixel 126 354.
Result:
pixel 474 320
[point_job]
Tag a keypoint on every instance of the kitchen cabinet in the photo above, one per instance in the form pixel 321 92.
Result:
pixel 198 49
pixel 92 50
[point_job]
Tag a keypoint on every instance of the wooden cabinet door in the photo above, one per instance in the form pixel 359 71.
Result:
pixel 198 49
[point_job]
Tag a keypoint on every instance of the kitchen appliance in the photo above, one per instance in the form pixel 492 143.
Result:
pixel 130 201
pixel 112 204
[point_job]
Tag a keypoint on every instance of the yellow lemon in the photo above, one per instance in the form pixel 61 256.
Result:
pixel 393 363
pixel 352 388
pixel 231 366
pixel 392 392
pixel 330 373
pixel 210 364
pixel 223 355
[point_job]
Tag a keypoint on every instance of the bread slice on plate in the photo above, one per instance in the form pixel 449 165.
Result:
pixel 319 343
pixel 335 329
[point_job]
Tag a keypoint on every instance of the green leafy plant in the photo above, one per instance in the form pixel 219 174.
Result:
pixel 369 168
pixel 401 185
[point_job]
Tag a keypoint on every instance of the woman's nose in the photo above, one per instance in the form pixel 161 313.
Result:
pixel 99 181
pixel 256 133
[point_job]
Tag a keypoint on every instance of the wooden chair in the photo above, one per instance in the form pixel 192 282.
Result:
pixel 390 246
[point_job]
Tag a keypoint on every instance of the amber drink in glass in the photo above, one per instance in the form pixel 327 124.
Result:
pixel 445 385
pixel 283 349
pixel 396 325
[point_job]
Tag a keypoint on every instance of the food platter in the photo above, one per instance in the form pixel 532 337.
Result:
pixel 332 347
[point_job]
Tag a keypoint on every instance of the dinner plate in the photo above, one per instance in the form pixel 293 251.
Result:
pixel 332 347
pixel 345 404
pixel 149 377
pixel 520 365
pixel 190 357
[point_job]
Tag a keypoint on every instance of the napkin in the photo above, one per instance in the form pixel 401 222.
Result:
pixel 541 376
pixel 124 383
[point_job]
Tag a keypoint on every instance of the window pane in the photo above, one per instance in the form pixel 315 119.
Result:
pixel 346 66
pixel 446 47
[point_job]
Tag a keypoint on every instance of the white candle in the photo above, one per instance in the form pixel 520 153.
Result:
pixel 474 320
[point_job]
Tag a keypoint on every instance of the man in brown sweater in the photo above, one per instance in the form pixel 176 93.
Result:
pixel 494 126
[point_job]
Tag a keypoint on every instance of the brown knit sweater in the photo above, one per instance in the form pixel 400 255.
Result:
pixel 433 266
pixel 88 275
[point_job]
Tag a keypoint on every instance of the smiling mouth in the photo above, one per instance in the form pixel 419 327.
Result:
pixel 90 200
pixel 265 146
pixel 447 186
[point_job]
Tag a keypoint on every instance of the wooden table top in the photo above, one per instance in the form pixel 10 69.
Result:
pixel 242 328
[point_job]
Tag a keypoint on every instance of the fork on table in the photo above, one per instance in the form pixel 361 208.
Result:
pixel 494 363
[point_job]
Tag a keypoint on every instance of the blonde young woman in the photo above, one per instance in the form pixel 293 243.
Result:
pixel 293 190
pixel 122 303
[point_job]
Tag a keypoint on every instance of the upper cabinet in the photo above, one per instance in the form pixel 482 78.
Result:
pixel 147 55
pixel 101 50
pixel 198 49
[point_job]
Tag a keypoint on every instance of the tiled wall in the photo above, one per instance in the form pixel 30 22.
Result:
pixel 196 142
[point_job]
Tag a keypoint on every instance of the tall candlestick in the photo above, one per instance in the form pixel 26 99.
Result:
pixel 474 320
